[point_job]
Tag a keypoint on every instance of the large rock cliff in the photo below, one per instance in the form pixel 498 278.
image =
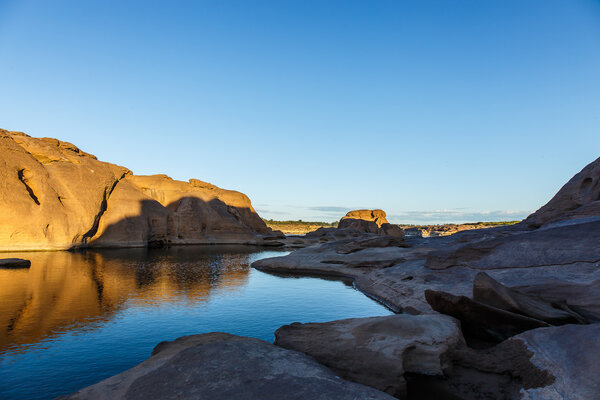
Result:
pixel 55 196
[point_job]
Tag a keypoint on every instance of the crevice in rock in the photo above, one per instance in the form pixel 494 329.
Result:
pixel 103 206
pixel 24 180
pixel 522 266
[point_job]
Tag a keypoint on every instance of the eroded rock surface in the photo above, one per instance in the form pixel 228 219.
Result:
pixel 570 354
pixel 491 292
pixel 578 198
pixel 377 351
pixel 481 320
pixel 55 196
pixel 369 221
pixel 222 366
pixel 541 272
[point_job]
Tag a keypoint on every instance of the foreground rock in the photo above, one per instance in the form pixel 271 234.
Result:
pixel 541 364
pixel 377 351
pixel 222 366
pixel 56 196
pixel 14 263
pixel 570 355
pixel 491 292
pixel 481 320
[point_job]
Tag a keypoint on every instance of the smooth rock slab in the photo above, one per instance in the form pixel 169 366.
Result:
pixel 489 291
pixel 377 351
pixel 14 263
pixel 217 366
pixel 571 353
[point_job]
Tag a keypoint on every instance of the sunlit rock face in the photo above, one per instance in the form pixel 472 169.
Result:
pixel 376 216
pixel 370 221
pixel 64 289
pixel 55 196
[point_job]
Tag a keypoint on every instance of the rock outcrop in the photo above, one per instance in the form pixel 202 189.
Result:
pixel 377 351
pixel 223 366
pixel 510 286
pixel 578 198
pixel 353 219
pixel 369 221
pixel 55 196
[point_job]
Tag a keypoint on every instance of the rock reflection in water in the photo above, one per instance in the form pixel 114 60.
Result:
pixel 62 290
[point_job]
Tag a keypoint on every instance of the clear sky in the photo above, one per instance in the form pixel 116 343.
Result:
pixel 435 111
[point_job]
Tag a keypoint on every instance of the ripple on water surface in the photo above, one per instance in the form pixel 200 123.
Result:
pixel 73 319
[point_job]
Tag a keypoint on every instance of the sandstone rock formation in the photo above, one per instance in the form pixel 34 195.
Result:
pixel 481 320
pixel 377 351
pixel 578 198
pixel 55 196
pixel 223 366
pixel 369 221
pixel 542 272
pixel 377 216
pixel 570 355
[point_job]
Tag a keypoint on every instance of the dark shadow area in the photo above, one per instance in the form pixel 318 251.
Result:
pixel 189 220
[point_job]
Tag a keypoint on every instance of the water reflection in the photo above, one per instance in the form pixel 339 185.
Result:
pixel 64 290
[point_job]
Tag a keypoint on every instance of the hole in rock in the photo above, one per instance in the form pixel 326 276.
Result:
pixel 585 185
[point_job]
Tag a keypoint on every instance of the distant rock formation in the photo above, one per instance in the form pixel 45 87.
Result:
pixel 443 230
pixel 56 196
pixel 369 221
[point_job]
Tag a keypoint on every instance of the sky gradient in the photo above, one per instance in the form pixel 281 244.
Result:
pixel 435 111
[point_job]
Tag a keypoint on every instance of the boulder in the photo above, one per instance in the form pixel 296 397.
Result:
pixel 480 320
pixel 222 366
pixel 489 291
pixel 14 263
pixel 391 230
pixel 369 221
pixel 376 216
pixel 56 196
pixel 377 351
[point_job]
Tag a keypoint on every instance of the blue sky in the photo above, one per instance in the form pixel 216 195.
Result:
pixel 435 111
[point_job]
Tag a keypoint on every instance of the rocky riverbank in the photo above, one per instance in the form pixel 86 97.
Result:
pixel 511 312
pixel 527 297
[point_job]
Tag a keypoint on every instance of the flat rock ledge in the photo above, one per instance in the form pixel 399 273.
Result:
pixel 218 365
pixel 14 263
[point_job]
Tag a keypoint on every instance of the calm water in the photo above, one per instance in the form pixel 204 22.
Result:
pixel 73 319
